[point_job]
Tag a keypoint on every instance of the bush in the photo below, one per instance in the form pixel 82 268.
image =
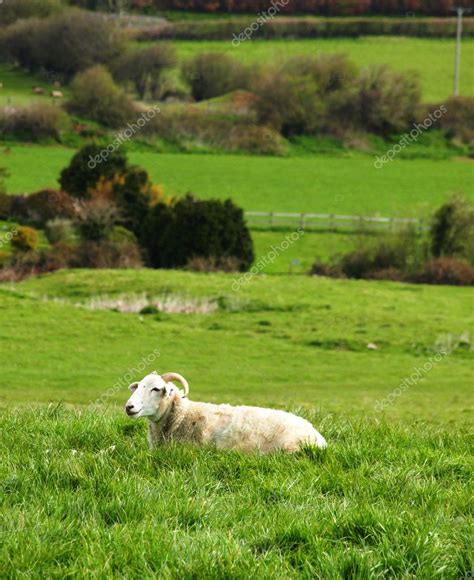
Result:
pixel 458 121
pixel 289 104
pixel 227 264
pixel 304 27
pixel 173 235
pixel 96 219
pixel 46 205
pixel 66 44
pixel 5 206
pixel 24 239
pixel 144 67
pixel 59 231
pixel 452 229
pixel 120 235
pixel 386 101
pixel 213 74
pixel 446 270
pixel 330 72
pixel 107 254
pixel 95 95
pixel 83 174
pixel 33 123
pixel 319 7
pixel 13 10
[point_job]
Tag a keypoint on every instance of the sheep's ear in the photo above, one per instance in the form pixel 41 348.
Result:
pixel 133 386
pixel 154 373
pixel 168 389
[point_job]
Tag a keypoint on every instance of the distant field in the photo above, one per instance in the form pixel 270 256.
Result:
pixel 294 337
pixel 311 184
pixel 432 59
pixel 17 87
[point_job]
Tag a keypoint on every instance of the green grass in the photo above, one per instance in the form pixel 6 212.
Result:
pixel 333 184
pixel 82 496
pixel 297 333
pixel 433 63
pixel 17 87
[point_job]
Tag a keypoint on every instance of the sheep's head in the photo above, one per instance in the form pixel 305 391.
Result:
pixel 152 395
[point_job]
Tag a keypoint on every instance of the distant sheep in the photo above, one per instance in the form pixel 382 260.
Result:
pixel 56 94
pixel 173 416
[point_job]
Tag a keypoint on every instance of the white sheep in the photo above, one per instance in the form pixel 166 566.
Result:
pixel 172 416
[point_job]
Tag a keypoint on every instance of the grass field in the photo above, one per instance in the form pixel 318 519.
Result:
pixel 341 184
pixel 82 496
pixel 17 86
pixel 433 63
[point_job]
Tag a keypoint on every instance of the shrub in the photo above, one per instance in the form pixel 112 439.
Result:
pixel 332 270
pixel 452 229
pixel 66 44
pixel 17 9
pixel 33 123
pixel 386 101
pixel 95 95
pixel 59 231
pixel 82 174
pixel 24 239
pixel 107 254
pixel 5 206
pixel 213 74
pixel 458 121
pixel 212 264
pixel 319 7
pixel 289 104
pixel 330 72
pixel 120 235
pixel 446 270
pixel 144 67
pixel 46 205
pixel 96 219
pixel 190 228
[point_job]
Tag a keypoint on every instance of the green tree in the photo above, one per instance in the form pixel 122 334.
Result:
pixel 194 228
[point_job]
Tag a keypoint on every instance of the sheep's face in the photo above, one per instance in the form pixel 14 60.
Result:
pixel 149 398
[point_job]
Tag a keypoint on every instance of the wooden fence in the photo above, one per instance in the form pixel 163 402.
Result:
pixel 325 221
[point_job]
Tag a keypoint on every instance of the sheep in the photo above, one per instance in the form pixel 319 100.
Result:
pixel 172 416
pixel 56 94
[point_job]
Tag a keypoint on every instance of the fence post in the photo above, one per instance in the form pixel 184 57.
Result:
pixel 272 222
pixel 302 221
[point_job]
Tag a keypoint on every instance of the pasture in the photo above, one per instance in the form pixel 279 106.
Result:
pixel 83 496
pixel 433 62
pixel 329 183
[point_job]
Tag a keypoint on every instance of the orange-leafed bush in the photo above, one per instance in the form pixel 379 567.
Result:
pixel 24 239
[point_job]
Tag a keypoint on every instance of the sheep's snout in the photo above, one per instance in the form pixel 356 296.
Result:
pixel 131 409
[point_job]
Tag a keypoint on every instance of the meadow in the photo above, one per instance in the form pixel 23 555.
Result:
pixel 328 183
pixel 83 496
pixel 431 59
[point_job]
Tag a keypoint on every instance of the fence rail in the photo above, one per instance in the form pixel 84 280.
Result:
pixel 326 221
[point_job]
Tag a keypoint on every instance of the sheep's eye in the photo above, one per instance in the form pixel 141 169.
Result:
pixel 156 389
